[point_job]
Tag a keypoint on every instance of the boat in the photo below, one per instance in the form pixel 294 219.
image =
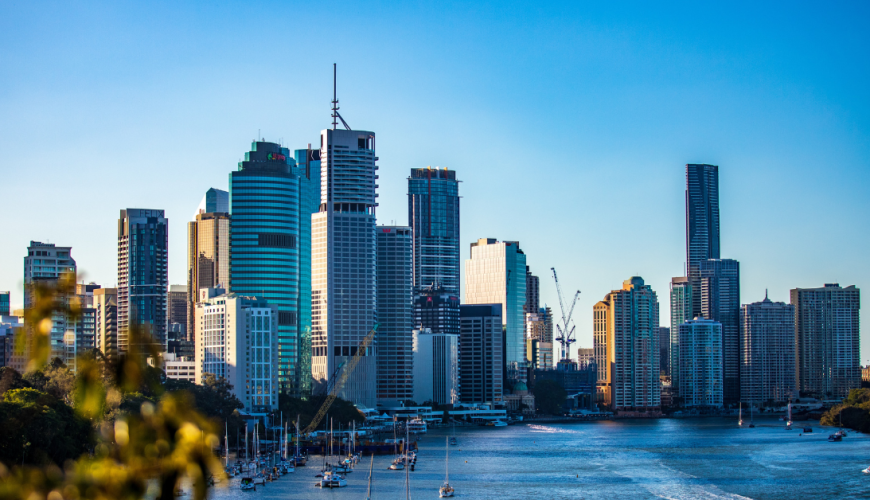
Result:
pixel 398 462
pixel 740 416
pixel 332 480
pixel 453 441
pixel 866 471
pixel 807 430
pixel 247 484
pixel 788 422
pixel 498 423
pixel 416 425
pixel 446 490
pixel 835 437
pixel 298 459
pixel 841 433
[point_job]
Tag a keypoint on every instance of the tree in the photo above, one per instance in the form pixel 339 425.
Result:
pixel 549 397
pixel 11 379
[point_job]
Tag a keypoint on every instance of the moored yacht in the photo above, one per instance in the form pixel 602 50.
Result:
pixel 446 490
pixel 416 425
pixel 332 480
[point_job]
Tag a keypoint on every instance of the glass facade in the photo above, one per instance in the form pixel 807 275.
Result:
pixel 208 258
pixel 264 238
pixel 4 303
pixel 720 301
pixel 433 212
pixel 767 362
pixel 681 311
pixel 701 363
pixel 702 224
pixel 395 314
pixel 46 263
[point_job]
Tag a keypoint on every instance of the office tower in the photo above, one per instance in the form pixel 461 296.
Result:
pixel 433 213
pixel 264 232
pixel 585 357
pixel 767 346
pixel 702 225
pixel 177 307
pixel 539 334
pixel 437 310
pixel 681 311
pixel 46 263
pixel 701 373
pixel 4 303
pixel 436 367
pixel 343 292
pixel 208 258
pixel 237 338
pixel 826 333
pixel 308 164
pixel 395 300
pixel 664 350
pixel 143 263
pixel 625 332
pixel 495 274
pixel 481 366
pixel 533 285
pixel 106 321
pixel 85 325
pixel 720 301
pixel 214 201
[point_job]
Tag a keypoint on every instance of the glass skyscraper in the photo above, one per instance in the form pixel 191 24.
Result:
pixel 395 314
pixel 702 224
pixel 143 274
pixel 720 301
pixel 264 239
pixel 433 212
pixel 681 311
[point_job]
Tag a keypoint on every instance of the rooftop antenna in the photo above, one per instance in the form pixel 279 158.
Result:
pixel 335 102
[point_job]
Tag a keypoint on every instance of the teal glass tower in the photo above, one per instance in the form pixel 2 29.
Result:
pixel 264 243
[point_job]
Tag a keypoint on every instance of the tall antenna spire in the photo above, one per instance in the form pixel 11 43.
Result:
pixel 335 114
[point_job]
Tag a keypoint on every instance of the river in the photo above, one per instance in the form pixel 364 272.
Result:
pixel 702 458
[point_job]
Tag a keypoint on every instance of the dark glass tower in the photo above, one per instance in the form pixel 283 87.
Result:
pixel 720 301
pixel 437 310
pixel 264 238
pixel 433 212
pixel 702 224
pixel 395 314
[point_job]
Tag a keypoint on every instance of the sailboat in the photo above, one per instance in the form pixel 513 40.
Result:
pixel 230 472
pixel 740 416
pixel 298 460
pixel 398 463
pixel 788 423
pixel 407 468
pixel 371 468
pixel 453 437
pixel 446 490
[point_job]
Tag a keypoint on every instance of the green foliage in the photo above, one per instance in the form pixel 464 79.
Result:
pixel 549 397
pixel 341 412
pixel 853 413
pixel 11 379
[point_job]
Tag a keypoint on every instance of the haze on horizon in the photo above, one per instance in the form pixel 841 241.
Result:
pixel 569 125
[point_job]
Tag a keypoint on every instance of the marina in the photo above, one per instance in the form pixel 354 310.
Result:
pixel 657 458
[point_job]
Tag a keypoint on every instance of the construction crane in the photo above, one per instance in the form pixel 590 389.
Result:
pixel 566 331
pixel 339 381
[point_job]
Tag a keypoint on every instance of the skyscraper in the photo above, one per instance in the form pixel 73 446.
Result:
pixel 496 274
pixel 539 328
pixel 4 303
pixel 664 350
pixel 86 323
pixel 436 367
pixel 700 363
pixel 214 201
pixel 47 263
pixel 827 329
pixel 177 305
pixel 433 213
pixel 395 299
pixel 143 266
pixel 437 310
pixel 308 164
pixel 106 321
pixel 533 285
pixel 702 224
pixel 767 365
pixel 343 280
pixel 481 369
pixel 681 311
pixel 208 254
pixel 264 233
pixel 626 323
pixel 720 301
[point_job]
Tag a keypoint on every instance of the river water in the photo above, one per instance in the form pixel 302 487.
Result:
pixel 708 458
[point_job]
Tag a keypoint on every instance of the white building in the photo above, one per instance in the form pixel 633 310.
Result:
pixel 343 281
pixel 46 263
pixel 436 367
pixel 237 338
pixel 701 374
pixel 179 367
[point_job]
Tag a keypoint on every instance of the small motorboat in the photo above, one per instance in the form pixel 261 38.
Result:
pixel 807 430
pixel 835 437
pixel 866 471
pixel 247 484
pixel 332 480
pixel 840 433
pixel 398 464
pixel 499 423
pixel 453 441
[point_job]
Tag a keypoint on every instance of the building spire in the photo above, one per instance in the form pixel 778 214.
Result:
pixel 335 115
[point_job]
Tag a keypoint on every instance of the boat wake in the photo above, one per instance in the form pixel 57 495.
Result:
pixel 551 430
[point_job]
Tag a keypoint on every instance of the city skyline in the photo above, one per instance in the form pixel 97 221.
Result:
pixel 761 178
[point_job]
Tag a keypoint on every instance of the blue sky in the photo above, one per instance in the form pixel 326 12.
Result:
pixel 568 123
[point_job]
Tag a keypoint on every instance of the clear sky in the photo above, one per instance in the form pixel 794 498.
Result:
pixel 569 123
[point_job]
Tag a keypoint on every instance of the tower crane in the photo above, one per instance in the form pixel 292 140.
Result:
pixel 566 330
pixel 341 380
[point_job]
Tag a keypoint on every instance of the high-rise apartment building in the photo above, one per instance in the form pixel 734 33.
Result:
pixel 436 367
pixel 85 325
pixel 237 338
pixel 437 310
pixel 308 169
pixel 720 301
pixel 177 306
pixel 585 357
pixel 702 224
pixel 625 331
pixel 395 300
pixel 433 213
pixel 214 201
pixel 143 274
pixel 664 351
pixel 701 374
pixel 681 311
pixel 46 263
pixel 4 303
pixel 767 347
pixel 106 321
pixel 208 253
pixel 539 329
pixel 827 330
pixel 481 362
pixel 343 280
pixel 264 238
pixel 533 288
pixel 496 274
